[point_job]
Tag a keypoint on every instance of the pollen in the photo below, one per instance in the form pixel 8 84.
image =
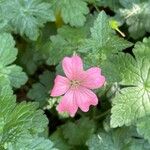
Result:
pixel 74 83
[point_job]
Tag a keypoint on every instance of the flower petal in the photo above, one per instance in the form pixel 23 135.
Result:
pixel 72 67
pixel 93 79
pixel 68 104
pixel 85 98
pixel 61 85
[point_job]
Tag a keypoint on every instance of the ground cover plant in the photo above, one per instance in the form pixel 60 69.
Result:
pixel 74 74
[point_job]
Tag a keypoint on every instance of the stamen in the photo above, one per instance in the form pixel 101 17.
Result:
pixel 75 83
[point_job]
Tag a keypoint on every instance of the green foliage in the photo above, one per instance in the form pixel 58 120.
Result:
pixel 33 54
pixel 103 41
pixel 77 133
pixel 26 16
pixel 13 73
pixel 28 142
pixel 59 141
pixel 132 102
pixel 112 4
pixel 72 12
pixel 40 91
pixel 20 123
pixel 30 60
pixel 67 41
pixel 108 141
pixel 120 139
pixel 143 127
pixel 35 36
pixel 137 17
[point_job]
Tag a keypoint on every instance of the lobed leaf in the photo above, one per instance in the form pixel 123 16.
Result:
pixel 137 17
pixel 8 54
pixel 77 133
pixel 72 12
pixel 27 16
pixel 132 102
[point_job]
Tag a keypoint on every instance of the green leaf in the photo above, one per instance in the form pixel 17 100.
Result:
pixel 57 50
pixel 59 141
pixel 132 102
pixel 16 76
pixel 129 105
pixel 27 16
pixel 77 133
pixel 138 144
pixel 28 142
pixel 19 121
pixel 129 3
pixel 8 53
pixel 137 17
pixel 112 4
pixel 113 140
pixel 66 42
pixel 34 54
pixel 103 41
pixel 30 59
pixel 4 26
pixel 40 91
pixel 101 33
pixel 143 127
pixel 5 93
pixel 72 12
pixel 119 139
pixel 121 70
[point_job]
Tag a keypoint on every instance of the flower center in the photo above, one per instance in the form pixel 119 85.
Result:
pixel 74 83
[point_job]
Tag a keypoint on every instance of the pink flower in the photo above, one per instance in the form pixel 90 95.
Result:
pixel 76 86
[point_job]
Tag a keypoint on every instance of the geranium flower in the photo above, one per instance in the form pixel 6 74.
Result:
pixel 76 86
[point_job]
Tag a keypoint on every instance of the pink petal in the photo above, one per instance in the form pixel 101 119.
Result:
pixel 93 79
pixel 72 67
pixel 68 104
pixel 61 85
pixel 85 98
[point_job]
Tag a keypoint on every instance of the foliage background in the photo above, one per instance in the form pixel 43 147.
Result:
pixel 35 35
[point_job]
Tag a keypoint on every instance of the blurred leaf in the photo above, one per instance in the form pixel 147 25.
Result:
pixel 143 127
pixel 112 4
pixel 59 141
pixel 8 54
pixel 120 139
pixel 77 133
pixel 72 12
pixel 34 54
pixel 40 91
pixel 27 142
pixel 30 59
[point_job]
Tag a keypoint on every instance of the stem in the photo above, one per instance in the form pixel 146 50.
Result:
pixel 97 9
pixel 93 112
pixel 103 114
pixel 109 88
pixel 74 53
pixel 122 34
pixel 81 113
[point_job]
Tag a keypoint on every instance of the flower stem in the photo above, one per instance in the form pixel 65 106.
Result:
pixel 97 9
pixel 103 114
